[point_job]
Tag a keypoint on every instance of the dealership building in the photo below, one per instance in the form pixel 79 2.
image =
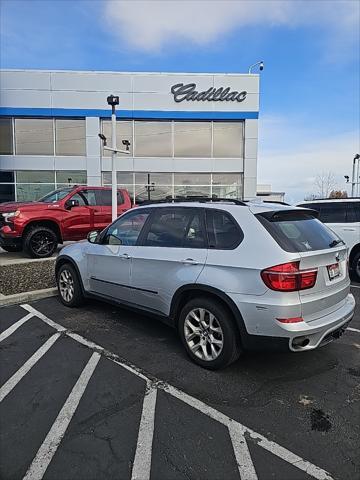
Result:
pixel 189 134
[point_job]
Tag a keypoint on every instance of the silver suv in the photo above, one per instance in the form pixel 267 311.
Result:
pixel 230 276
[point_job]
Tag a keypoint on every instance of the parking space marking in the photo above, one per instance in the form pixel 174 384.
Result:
pixel 142 461
pixel 353 329
pixel 47 450
pixel 242 453
pixel 15 326
pixel 237 431
pixel 15 379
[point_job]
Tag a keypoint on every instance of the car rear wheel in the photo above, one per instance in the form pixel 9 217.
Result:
pixel 208 333
pixel 40 242
pixel 69 286
pixel 11 249
pixel 355 266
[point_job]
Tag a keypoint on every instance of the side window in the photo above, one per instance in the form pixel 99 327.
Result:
pixel 176 227
pixel 104 198
pixel 333 212
pixel 80 198
pixel 353 212
pixel 90 196
pixel 223 231
pixel 126 230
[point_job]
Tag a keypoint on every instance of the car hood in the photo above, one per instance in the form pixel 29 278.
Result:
pixel 13 206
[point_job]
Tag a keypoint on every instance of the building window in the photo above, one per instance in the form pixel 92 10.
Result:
pixel 228 139
pixel 34 136
pixel 70 137
pixel 71 177
pixel 7 186
pixel 192 139
pixel 124 131
pixel 152 186
pixel 153 139
pixel 6 136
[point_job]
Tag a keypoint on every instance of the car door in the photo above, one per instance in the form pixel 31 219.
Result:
pixel 77 220
pixel 109 261
pixel 104 199
pixel 171 253
pixel 90 194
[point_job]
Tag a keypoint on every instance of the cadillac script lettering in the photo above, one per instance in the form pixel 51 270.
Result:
pixel 188 92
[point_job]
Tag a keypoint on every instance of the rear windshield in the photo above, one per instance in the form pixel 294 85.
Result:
pixel 297 231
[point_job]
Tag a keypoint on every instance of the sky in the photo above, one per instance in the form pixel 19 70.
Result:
pixel 309 101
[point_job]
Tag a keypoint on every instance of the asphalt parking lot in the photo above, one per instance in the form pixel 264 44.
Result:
pixel 103 393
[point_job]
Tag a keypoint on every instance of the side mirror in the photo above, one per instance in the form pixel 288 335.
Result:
pixel 72 203
pixel 93 236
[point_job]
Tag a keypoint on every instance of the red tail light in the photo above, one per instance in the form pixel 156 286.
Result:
pixel 288 277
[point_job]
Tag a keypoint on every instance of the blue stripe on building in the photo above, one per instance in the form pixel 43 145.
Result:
pixel 135 114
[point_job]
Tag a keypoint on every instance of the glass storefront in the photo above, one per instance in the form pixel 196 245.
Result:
pixel 144 186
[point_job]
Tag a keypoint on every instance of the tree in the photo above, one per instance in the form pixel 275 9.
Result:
pixel 338 194
pixel 325 183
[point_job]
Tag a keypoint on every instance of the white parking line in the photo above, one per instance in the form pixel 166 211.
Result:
pixel 48 449
pixel 353 329
pixel 15 379
pixel 245 467
pixel 242 453
pixel 15 326
pixel 142 461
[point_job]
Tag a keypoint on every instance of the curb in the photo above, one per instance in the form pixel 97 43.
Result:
pixel 27 296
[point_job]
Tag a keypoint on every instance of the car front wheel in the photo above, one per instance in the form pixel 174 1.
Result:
pixel 40 242
pixel 208 333
pixel 355 266
pixel 69 286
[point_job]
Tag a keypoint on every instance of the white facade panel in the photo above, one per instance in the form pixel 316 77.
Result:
pixel 25 98
pixel 162 83
pixel 25 80
pixel 251 128
pixel 87 100
pixel 249 83
pixel 91 82
pixel 70 163
pixel 251 147
pixel 26 162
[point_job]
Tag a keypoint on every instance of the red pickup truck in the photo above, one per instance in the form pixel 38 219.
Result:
pixel 65 214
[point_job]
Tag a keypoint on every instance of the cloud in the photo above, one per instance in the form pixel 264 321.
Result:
pixel 289 164
pixel 152 24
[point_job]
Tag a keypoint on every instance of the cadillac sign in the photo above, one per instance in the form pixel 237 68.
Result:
pixel 188 92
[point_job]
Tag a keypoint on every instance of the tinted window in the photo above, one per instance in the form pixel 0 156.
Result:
pixel 177 227
pixel 90 196
pixel 126 230
pixel 333 212
pixel 6 177
pixel 298 231
pixel 80 198
pixel 223 232
pixel 104 198
pixel 7 192
pixel 353 212
pixel 6 138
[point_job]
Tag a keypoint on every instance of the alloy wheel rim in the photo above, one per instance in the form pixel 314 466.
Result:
pixel 66 285
pixel 203 334
pixel 42 243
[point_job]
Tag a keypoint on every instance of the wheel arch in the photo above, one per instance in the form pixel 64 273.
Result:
pixel 62 260
pixel 187 292
pixel 44 223
pixel 354 251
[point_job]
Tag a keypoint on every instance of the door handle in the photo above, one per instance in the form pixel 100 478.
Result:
pixel 189 261
pixel 349 229
pixel 125 256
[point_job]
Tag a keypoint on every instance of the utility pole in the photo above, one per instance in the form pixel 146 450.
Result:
pixel 355 176
pixel 113 100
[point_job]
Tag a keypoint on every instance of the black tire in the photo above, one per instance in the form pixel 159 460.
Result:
pixel 231 348
pixel 40 242
pixel 67 270
pixel 355 266
pixel 11 249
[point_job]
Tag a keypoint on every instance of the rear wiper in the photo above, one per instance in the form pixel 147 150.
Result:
pixel 334 243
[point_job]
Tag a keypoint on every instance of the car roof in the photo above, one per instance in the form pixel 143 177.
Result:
pixel 253 207
pixel 330 200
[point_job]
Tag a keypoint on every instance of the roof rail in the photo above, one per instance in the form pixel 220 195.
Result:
pixel 194 198
pixel 277 201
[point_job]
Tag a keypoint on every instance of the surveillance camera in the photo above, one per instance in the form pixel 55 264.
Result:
pixel 261 66
pixel 127 144
pixel 347 178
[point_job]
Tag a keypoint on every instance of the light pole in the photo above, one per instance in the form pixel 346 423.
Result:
pixel 355 175
pixel 113 100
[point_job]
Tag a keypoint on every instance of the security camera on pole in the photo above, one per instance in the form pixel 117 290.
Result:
pixel 113 100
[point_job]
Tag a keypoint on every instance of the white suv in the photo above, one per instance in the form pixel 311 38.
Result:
pixel 228 275
pixel 343 217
